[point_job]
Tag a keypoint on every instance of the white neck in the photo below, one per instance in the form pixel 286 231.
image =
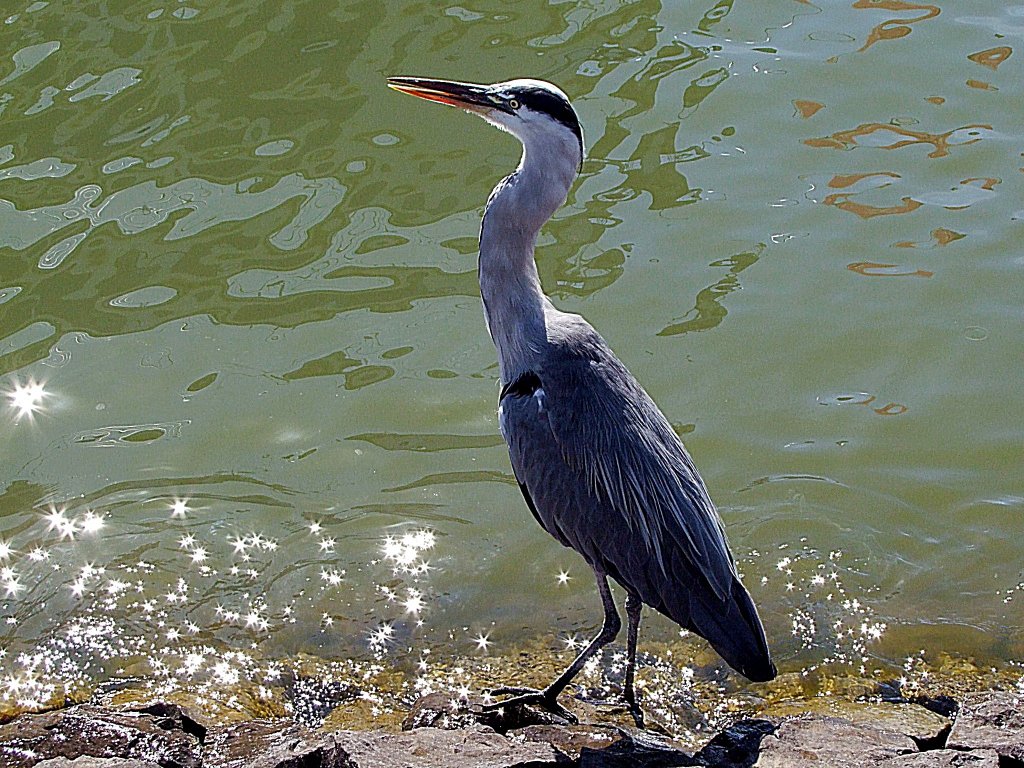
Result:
pixel 514 304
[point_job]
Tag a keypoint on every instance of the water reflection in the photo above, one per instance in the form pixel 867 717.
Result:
pixel 279 330
pixel 889 136
pixel 893 29
pixel 708 311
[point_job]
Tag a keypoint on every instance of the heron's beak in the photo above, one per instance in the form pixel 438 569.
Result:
pixel 468 96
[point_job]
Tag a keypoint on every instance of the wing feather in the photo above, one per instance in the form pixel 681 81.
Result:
pixel 597 453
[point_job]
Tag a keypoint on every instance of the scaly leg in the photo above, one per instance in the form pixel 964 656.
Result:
pixel 547 698
pixel 633 609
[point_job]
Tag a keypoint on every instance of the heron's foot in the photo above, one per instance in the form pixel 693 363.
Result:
pixel 545 699
pixel 637 713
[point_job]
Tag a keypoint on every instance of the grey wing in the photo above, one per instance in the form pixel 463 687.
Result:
pixel 605 474
pixel 603 480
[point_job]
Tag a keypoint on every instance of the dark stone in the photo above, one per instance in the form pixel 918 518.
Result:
pixel 738 746
pixel 90 731
pixel 819 741
pixel 992 720
pixel 440 710
pixel 892 692
pixel 172 717
pixel 636 751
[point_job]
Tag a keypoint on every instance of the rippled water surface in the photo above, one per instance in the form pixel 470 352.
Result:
pixel 248 407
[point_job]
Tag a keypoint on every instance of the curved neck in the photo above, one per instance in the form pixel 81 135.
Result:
pixel 514 303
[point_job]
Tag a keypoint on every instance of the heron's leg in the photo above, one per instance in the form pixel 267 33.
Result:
pixel 548 696
pixel 633 609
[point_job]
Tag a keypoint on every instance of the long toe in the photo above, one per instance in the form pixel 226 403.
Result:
pixel 513 690
pixel 542 699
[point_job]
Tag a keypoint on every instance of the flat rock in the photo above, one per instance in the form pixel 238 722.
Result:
pixel 819 740
pixel 266 744
pixel 96 762
pixel 442 710
pixel 946 758
pixel 155 736
pixel 637 750
pixel 991 720
pixel 571 739
pixel 923 725
pixel 476 747
pixel 284 744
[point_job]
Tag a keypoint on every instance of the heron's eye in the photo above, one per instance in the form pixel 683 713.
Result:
pixel 513 104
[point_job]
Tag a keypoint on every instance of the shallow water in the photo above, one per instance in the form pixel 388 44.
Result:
pixel 249 408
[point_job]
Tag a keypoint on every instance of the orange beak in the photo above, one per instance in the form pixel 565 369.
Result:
pixel 468 96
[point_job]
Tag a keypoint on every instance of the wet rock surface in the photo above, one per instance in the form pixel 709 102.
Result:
pixel 96 762
pixel 991 720
pixel 987 732
pixel 159 734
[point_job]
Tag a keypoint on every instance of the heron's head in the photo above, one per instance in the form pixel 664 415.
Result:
pixel 535 112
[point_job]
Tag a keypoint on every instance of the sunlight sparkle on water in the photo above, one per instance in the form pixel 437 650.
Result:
pixel 57 520
pixel 403 552
pixel 27 399
pixel 180 507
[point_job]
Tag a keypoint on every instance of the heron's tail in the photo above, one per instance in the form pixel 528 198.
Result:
pixel 734 630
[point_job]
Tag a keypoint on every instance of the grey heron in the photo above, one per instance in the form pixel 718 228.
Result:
pixel 598 463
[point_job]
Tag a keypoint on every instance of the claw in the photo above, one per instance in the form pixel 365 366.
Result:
pixel 634 707
pixel 638 715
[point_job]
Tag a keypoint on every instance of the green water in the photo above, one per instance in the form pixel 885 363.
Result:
pixel 249 399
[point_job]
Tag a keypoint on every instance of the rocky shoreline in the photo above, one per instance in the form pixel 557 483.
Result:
pixel 983 729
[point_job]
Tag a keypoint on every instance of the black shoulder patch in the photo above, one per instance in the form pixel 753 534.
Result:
pixel 524 386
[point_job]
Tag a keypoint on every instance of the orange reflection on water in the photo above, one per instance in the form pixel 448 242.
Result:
pixel 864 398
pixel 903 137
pixel 807 108
pixel 865 211
pixel 844 180
pixel 940 237
pixel 987 182
pixel 992 57
pixel 981 85
pixel 894 28
pixel 874 269
pixel 859 182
